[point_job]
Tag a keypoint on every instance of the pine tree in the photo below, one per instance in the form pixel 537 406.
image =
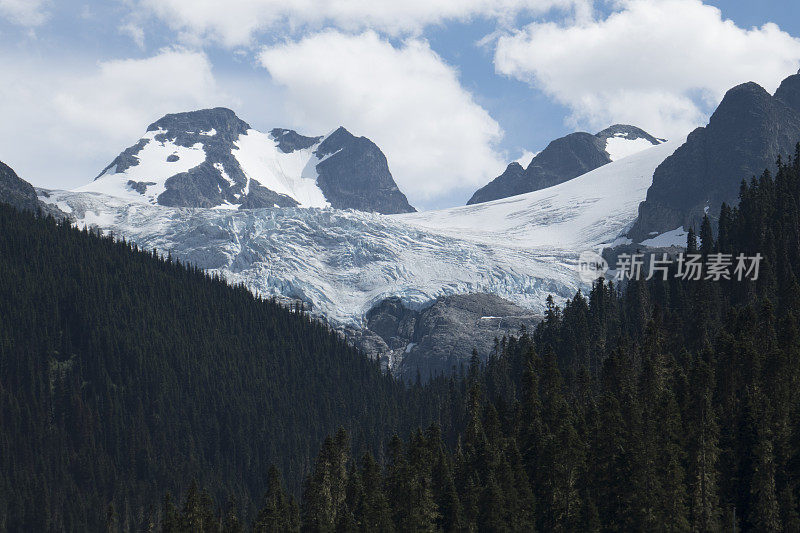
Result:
pixel 232 523
pixel 691 241
pixel 373 512
pixel 561 461
pixel 324 498
pixel 444 487
pixel 275 514
pixel 705 508
pixel 169 515
pixel 198 512
pixel 611 471
pixel 764 513
pixel 706 237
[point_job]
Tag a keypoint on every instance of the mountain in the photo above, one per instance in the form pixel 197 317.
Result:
pixel 211 158
pixel 566 158
pixel 344 263
pixel 745 135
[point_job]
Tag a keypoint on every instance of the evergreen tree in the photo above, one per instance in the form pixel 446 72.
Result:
pixel 373 512
pixel 324 498
pixel 704 440
pixel 275 514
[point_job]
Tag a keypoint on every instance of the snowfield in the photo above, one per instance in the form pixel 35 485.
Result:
pixel 619 146
pixel 293 174
pixel 343 262
pixel 584 213
pixel 257 154
pixel 154 167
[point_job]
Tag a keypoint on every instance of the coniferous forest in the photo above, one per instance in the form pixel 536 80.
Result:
pixel 668 406
pixel 141 394
pixel 124 375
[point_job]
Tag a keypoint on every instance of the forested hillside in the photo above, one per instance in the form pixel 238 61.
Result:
pixel 669 406
pixel 124 375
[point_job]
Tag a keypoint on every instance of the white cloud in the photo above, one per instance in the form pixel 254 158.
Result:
pixel 25 12
pixel 135 32
pixel 406 100
pixel 72 120
pixel 525 158
pixel 659 64
pixel 234 22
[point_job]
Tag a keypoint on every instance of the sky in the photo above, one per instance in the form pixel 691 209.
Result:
pixel 450 90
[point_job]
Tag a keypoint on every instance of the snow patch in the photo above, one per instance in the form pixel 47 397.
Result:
pixel 619 146
pixel 619 241
pixel 581 214
pixel 293 174
pixel 64 206
pixel 223 174
pixel 676 237
pixel 151 168
pixel 226 205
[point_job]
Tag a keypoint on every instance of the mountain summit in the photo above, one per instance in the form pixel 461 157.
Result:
pixel 566 158
pixel 745 135
pixel 211 158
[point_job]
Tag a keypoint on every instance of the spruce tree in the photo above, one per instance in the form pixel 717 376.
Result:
pixel 704 441
pixel 275 514
pixel 373 512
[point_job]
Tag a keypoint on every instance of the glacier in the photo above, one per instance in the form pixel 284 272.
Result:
pixel 343 262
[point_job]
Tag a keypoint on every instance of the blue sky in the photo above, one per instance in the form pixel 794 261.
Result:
pixel 451 90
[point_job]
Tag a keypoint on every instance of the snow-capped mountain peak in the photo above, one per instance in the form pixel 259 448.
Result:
pixel 566 158
pixel 623 140
pixel 211 158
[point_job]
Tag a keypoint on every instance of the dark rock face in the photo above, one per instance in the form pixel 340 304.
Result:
pixel 186 128
pixel 355 175
pixel 20 194
pixel 16 191
pixel 748 131
pixel 139 186
pixel 789 92
pixel 439 339
pixel 126 159
pixel 566 158
pixel 511 182
pixel 629 132
pixel 203 185
pixel 289 140
pixel 562 160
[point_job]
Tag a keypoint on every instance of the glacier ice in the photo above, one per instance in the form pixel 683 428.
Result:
pixel 343 262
